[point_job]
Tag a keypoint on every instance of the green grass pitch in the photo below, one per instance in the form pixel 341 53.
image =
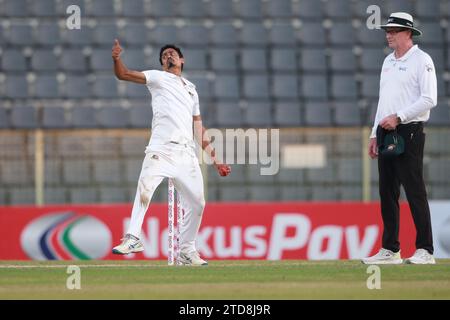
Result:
pixel 224 280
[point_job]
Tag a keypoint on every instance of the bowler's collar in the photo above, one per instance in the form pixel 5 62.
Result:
pixel 170 74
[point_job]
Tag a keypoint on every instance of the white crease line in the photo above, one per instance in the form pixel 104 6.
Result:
pixel 79 265
pixel 147 265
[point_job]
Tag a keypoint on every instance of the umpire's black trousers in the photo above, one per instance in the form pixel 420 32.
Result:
pixel 407 170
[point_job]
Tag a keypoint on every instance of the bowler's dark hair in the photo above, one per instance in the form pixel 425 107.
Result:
pixel 170 46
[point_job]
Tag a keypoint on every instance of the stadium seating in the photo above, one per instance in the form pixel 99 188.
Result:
pixel 253 34
pixel 313 60
pixel 20 34
pixel 284 86
pixel 283 60
pixel 347 114
pixel 282 34
pixel 224 34
pixel 223 59
pixel 343 87
pixel 55 195
pixel 101 8
pixel 112 117
pixel 228 114
pixel 314 86
pixel 191 9
pixel 135 9
pixel 341 33
pixel 54 118
pixel 287 114
pixel 256 86
pixel 83 117
pixel 428 10
pixel 279 9
pixel 163 34
pixel 44 8
pixel 258 115
pixel 227 86
pixel 23 118
pixel 73 60
pixel 317 114
pixel 44 60
pixel 188 36
pixel 79 38
pixel 221 9
pixel 313 34
pixel 249 9
pixel 140 116
pixel 46 86
pixel 162 8
pixel 13 60
pixel 253 60
pixel 271 63
pixel 76 86
pixel 196 59
pixel 309 9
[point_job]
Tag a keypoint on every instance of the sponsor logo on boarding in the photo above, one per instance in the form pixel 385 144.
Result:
pixel 66 236
pixel 288 233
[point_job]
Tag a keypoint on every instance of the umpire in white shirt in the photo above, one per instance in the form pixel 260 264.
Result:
pixel 408 91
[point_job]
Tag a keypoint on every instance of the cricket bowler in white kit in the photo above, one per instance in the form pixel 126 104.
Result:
pixel 171 150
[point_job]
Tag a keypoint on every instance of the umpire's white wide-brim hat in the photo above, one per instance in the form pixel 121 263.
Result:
pixel 401 20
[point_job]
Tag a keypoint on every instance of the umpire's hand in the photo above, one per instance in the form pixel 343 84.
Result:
pixel 116 50
pixel 373 148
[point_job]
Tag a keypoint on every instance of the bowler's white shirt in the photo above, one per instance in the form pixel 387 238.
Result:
pixel 408 87
pixel 173 104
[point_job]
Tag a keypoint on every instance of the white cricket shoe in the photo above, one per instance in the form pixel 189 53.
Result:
pixel 130 244
pixel 384 256
pixel 191 259
pixel 421 256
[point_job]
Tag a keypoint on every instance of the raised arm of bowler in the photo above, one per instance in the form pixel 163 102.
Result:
pixel 171 150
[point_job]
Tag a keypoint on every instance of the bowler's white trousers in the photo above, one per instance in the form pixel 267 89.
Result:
pixel 179 163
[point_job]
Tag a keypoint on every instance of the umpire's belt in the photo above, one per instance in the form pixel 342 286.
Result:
pixel 410 124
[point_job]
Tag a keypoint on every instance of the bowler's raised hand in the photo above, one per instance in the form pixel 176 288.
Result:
pixel 116 50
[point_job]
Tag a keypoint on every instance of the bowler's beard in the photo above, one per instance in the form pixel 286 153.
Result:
pixel 170 64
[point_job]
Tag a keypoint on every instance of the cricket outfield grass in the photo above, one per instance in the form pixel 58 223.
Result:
pixel 224 280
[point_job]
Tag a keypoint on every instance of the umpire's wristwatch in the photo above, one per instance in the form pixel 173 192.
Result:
pixel 399 120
